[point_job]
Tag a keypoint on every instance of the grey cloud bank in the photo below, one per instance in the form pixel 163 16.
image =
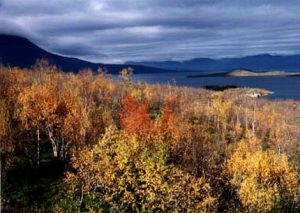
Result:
pixel 118 31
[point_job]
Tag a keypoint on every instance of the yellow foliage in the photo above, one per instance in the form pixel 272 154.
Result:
pixel 129 175
pixel 219 107
pixel 264 180
pixel 136 93
pixel 38 104
pixel 53 110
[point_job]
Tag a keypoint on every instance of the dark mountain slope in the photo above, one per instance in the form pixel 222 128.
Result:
pixel 20 52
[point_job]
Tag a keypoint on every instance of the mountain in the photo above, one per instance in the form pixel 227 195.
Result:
pixel 264 62
pixel 21 52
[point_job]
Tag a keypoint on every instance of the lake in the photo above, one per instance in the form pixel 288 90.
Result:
pixel 283 87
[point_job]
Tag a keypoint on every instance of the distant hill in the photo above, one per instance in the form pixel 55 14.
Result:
pixel 21 52
pixel 264 62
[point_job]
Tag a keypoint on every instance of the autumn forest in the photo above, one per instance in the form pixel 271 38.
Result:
pixel 90 142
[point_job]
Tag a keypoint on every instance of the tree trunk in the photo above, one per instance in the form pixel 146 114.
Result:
pixel 254 119
pixel 54 144
pixel 246 120
pixel 81 199
pixel 62 151
pixel 38 146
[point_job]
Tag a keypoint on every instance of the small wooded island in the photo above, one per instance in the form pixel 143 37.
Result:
pixel 246 73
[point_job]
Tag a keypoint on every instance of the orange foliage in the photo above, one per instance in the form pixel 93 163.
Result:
pixel 167 127
pixel 135 117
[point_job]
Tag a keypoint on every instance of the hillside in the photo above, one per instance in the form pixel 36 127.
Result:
pixel 21 52
pixel 91 143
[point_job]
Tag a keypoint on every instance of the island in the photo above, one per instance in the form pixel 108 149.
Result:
pixel 219 87
pixel 246 73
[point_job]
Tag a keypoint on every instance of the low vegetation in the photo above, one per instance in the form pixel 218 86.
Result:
pixel 91 143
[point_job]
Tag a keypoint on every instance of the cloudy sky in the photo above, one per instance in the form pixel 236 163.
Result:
pixel 143 30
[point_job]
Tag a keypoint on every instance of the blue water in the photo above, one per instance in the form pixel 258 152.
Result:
pixel 282 86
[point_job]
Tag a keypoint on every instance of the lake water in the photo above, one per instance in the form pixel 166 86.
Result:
pixel 282 86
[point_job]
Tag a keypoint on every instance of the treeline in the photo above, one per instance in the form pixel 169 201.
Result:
pixel 90 143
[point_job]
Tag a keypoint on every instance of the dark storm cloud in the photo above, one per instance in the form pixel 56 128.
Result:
pixel 120 30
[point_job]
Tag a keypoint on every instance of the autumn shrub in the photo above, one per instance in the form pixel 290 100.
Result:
pixel 124 174
pixel 264 180
pixel 166 127
pixel 135 117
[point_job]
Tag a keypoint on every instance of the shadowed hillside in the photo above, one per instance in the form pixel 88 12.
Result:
pixel 20 52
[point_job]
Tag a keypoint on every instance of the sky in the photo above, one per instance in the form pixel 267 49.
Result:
pixel 116 31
